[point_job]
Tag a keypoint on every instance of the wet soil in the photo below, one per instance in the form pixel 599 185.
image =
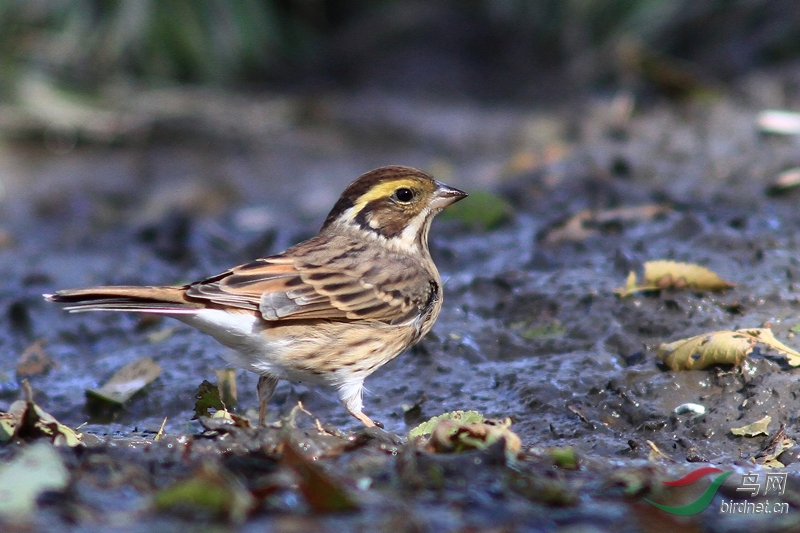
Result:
pixel 530 329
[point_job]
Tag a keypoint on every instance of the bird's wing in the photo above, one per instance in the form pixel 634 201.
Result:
pixel 325 279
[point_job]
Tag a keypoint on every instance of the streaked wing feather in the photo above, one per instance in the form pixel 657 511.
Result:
pixel 280 288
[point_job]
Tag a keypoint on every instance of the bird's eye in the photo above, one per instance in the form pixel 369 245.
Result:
pixel 403 194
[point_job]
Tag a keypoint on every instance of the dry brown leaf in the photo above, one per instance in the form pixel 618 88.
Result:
pixel 721 348
pixel 34 360
pixel 323 493
pixel 664 274
pixel 587 223
pixel 773 448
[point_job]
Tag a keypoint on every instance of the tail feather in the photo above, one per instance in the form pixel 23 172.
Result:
pixel 165 300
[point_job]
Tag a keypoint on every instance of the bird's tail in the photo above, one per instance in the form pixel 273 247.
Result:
pixel 162 300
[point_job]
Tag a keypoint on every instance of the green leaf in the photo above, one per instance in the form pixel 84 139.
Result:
pixel 207 397
pixel 426 428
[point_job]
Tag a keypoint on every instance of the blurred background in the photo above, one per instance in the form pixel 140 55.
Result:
pixel 467 87
pixel 484 49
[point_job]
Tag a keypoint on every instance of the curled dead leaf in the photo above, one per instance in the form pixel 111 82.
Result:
pixel 721 348
pixel 773 448
pixel 27 421
pixel 461 431
pixel 673 275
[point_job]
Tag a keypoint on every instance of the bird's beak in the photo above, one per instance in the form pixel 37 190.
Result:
pixel 446 195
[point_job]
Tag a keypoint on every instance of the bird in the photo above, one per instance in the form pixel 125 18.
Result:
pixel 330 310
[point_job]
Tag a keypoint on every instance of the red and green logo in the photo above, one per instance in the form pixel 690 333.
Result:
pixel 703 500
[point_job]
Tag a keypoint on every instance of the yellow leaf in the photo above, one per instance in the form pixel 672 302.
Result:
pixel 673 275
pixel 716 348
pixel 765 336
pixel 752 430
pixel 721 348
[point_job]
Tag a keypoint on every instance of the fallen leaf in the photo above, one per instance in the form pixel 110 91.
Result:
pixel 224 421
pixel 673 275
pixel 426 428
pixel 564 457
pixel 773 448
pixel 656 454
pixel 210 491
pixel 451 436
pixel 587 223
pixel 765 336
pixel 126 382
pixel 717 348
pixel 322 493
pixel 721 348
pixel 36 469
pixel 207 398
pixel 34 360
pixel 27 421
pixel 752 430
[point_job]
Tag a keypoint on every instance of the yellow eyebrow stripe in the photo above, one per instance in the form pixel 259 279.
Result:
pixel 383 190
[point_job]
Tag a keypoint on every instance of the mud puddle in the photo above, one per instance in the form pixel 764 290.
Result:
pixel 530 328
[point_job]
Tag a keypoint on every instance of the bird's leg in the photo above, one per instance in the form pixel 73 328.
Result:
pixel 265 388
pixel 351 398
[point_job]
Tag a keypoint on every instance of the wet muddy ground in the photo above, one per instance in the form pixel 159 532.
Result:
pixel 530 329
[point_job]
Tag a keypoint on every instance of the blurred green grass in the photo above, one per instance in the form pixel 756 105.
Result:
pixel 85 43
